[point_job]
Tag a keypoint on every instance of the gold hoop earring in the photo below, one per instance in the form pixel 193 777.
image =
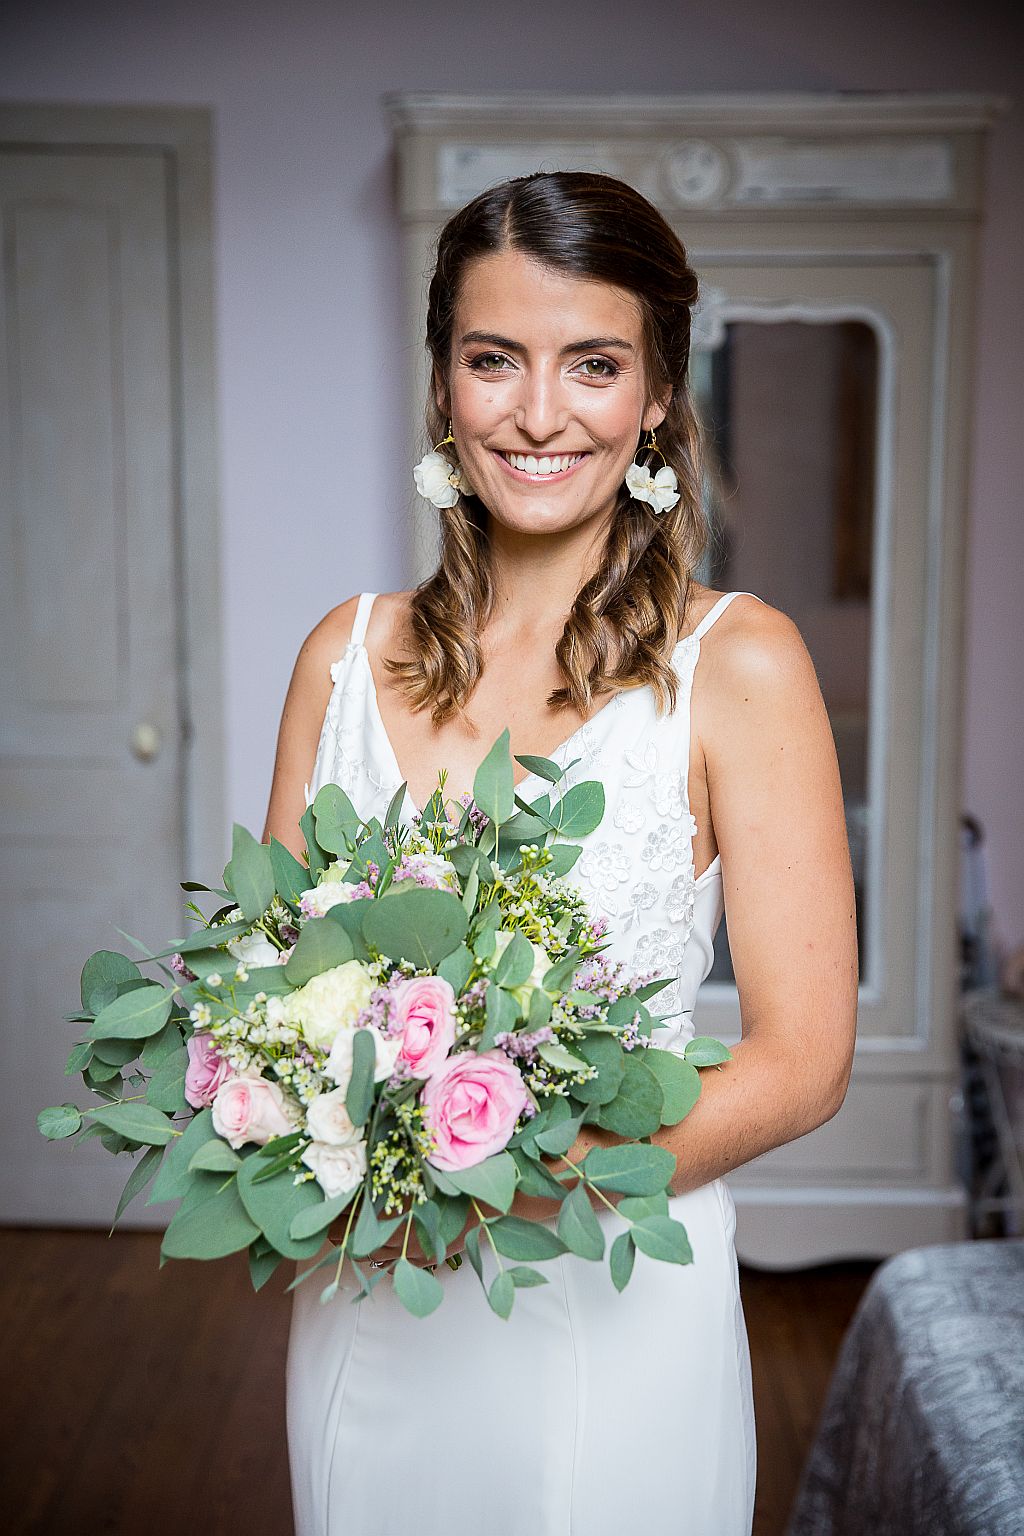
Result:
pixel 661 491
pixel 438 479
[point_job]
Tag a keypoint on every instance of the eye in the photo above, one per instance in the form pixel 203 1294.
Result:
pixel 602 362
pixel 489 357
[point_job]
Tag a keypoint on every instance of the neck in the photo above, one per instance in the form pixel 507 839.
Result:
pixel 537 575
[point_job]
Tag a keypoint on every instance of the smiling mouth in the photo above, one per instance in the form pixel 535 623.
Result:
pixel 528 466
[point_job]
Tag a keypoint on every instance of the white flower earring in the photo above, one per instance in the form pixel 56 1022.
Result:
pixel 438 479
pixel 662 489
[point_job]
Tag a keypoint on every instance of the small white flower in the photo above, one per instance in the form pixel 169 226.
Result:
pixel 321 898
pixel 660 490
pixel 337 1169
pixel 439 481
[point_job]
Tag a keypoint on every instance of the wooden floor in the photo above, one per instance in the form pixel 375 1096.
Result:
pixel 110 1425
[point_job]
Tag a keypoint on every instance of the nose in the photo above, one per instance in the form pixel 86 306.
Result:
pixel 542 409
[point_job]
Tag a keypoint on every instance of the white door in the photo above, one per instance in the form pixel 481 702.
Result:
pixel 92 744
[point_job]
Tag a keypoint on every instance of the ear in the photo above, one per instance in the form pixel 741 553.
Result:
pixel 655 413
pixel 440 393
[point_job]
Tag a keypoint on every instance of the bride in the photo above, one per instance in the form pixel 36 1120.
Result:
pixel 567 476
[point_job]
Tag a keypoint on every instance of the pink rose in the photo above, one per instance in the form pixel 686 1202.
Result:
pixel 424 1008
pixel 471 1105
pixel 206 1070
pixel 250 1109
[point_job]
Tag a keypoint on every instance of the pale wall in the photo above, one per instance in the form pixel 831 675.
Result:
pixel 311 352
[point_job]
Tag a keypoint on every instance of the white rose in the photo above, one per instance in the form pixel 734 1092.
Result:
pixel 328 1120
pixel 329 1002
pixel 438 870
pixel 338 1066
pixel 328 894
pixel 254 949
pixel 337 1169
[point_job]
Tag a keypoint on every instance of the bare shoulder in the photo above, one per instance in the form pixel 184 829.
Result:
pixel 756 650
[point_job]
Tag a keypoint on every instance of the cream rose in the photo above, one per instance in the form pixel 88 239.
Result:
pixel 328 1120
pixel 337 1169
pixel 255 949
pixel 328 1002
pixel 338 1066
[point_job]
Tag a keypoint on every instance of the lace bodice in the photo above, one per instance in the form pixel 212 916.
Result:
pixel 636 867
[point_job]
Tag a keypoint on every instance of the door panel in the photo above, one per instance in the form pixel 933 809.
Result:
pixel 91 829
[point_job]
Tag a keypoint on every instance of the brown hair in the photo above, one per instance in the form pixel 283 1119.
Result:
pixel 591 226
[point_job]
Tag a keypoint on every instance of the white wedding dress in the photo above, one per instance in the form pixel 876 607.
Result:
pixel 587 1412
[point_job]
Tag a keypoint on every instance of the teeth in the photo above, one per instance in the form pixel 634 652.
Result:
pixel 544 466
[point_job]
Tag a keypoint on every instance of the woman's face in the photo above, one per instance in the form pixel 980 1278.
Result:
pixel 545 368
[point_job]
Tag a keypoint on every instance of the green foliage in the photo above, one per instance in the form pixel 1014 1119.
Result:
pixel 680 1083
pixel 703 1051
pixel 662 1238
pixel 492 784
pixel 291 877
pixel 620 1260
pixel 519 1239
pixel 59 1121
pixel 173 1179
pixel 274 1203
pixel 135 1122
pixel 134 1015
pixel 211 1221
pixel 578 1226
pixel 321 945
pixel 417 1289
pixel 359 1095
pixel 101 975
pixel 249 875
pixel 137 1180
pixel 631 1168
pixel 493 1180
pixel 417 923
pixel 636 1111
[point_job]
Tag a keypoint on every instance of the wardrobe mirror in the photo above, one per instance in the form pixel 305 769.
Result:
pixel 791 412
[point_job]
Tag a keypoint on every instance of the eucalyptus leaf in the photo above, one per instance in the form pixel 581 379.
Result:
pixel 59 1121
pixel 291 878
pixel 563 857
pixel 359 1094
pixel 578 1226
pixel 416 923
pixel 273 1203
pixel 557 1055
pixel 581 809
pixel 631 1168
pixel 249 875
pixel 336 819
pixel 135 1121
pixel 662 1238
pixel 704 1051
pixel 137 1180
pixel 455 969
pixel 519 1239
pixel 417 1289
pixel 215 1156
pixel 262 1266
pixel 502 1293
pixel 680 1083
pixel 79 1057
pixel 211 1221
pixel 621 1259
pixel 514 966
pixel 368 1232
pixel 173 1179
pixel 317 857
pixel 134 1015
pixel 543 767
pixel 100 976
pixel 493 1180
pixel 605 1053
pixel 523 1275
pixel 637 1109
pixel 162 1046
pixel 317 1218
pixel 493 789
pixel 166 1089
pixel 321 945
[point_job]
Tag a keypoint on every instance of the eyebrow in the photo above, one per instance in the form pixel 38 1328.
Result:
pixel 574 346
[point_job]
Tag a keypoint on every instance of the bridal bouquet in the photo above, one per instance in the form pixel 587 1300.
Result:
pixel 404 1029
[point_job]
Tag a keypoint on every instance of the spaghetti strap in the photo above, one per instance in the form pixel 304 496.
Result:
pixel 717 611
pixel 362 617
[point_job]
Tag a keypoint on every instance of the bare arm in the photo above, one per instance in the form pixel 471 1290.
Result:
pixel 777 811
pixel 301 722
